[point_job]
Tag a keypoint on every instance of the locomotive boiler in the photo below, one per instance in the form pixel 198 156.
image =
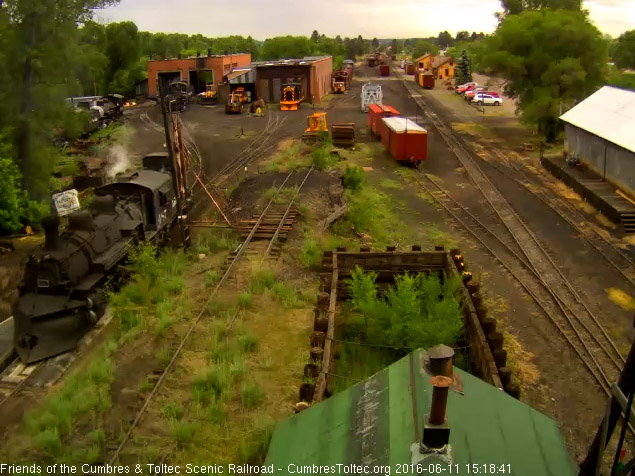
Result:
pixel 62 295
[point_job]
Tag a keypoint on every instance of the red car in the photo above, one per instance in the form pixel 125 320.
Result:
pixel 465 87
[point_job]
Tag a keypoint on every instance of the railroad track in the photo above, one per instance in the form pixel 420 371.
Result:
pixel 535 268
pixel 531 182
pixel 259 146
pixel 272 224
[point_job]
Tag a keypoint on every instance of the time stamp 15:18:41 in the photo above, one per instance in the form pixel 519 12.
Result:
pixel 440 468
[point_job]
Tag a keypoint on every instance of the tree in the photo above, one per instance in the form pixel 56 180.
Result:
pixel 514 7
pixel 43 40
pixel 444 39
pixel 287 47
pixel 462 36
pixel 624 50
pixel 423 47
pixel 338 39
pixel 315 36
pixel 463 69
pixel 375 43
pixel 551 59
pixel 394 46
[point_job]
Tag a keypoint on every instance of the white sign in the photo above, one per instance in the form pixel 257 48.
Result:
pixel 66 202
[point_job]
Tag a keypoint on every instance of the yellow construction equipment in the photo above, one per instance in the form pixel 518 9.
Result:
pixel 291 97
pixel 209 96
pixel 316 123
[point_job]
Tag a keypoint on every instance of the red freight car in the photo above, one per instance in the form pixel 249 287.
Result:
pixel 405 139
pixel 384 70
pixel 425 80
pixel 375 114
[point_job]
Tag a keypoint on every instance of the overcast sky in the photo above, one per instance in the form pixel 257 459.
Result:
pixel 371 18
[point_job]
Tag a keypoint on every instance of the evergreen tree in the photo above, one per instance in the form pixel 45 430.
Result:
pixel 464 69
pixel 315 36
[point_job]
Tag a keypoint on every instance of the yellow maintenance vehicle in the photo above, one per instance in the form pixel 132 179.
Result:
pixel 291 97
pixel 209 96
pixel 234 104
pixel 316 123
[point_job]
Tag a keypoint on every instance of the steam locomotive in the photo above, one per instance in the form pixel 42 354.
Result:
pixel 62 295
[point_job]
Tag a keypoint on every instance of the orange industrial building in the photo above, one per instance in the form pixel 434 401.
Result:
pixel 196 71
pixel 313 73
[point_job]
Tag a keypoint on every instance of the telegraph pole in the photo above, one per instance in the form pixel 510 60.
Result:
pixel 176 167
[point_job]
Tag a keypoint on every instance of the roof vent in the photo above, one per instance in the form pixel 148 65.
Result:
pixel 440 360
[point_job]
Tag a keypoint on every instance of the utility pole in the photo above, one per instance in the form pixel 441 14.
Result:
pixel 176 167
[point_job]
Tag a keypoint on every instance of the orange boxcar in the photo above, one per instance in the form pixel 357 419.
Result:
pixel 406 140
pixel 376 112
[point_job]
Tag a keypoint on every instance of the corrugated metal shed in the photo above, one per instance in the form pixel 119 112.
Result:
pixel 401 124
pixel 608 113
pixel 242 76
pixel 377 421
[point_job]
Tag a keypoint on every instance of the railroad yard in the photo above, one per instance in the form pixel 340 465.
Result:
pixel 214 342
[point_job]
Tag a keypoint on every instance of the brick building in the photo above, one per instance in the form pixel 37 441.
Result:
pixel 313 73
pixel 196 71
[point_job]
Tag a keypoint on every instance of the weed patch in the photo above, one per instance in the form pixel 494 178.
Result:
pixel 353 178
pixel 214 240
pixel 251 396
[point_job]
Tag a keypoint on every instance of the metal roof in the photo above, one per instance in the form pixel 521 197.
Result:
pixel 376 421
pixel 608 113
pixel 401 124
pixel 290 62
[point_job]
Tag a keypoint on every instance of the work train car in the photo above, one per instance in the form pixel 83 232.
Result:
pixel 375 114
pixel 406 140
pixel 62 294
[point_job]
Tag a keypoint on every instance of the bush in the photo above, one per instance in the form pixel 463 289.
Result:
pixel 418 311
pixel 16 208
pixel 311 254
pixel 353 178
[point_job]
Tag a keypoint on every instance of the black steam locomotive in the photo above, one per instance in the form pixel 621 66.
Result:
pixel 62 296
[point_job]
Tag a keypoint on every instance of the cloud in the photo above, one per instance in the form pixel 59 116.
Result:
pixel 370 18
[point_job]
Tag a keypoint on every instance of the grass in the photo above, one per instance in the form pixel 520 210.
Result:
pixel 251 396
pixel 353 178
pixel 286 295
pixel 212 240
pixel 391 184
pixel 314 246
pixel 279 197
pixel 212 277
pixel 247 343
pixel 245 300
pixel 253 449
pixel 261 280
pixel 371 217
pixel 173 410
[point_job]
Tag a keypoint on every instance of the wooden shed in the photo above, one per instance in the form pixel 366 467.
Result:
pixel 405 139
pixel 376 112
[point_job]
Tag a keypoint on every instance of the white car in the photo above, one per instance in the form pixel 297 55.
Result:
pixel 488 99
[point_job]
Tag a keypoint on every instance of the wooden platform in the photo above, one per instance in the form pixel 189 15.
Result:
pixel 599 193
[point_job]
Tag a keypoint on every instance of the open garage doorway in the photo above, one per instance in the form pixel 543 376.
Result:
pixel 167 78
pixel 200 78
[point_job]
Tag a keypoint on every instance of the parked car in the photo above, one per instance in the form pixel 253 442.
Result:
pixel 469 95
pixel 481 98
pixel 463 87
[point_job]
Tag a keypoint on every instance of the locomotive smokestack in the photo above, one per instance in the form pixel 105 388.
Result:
pixel 51 225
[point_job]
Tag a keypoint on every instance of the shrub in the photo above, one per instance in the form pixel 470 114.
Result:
pixel 353 178
pixel 311 254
